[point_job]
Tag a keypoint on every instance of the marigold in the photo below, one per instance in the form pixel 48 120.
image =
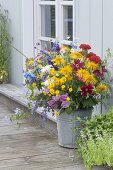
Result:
pixel 89 78
pixel 86 77
pixel 81 72
pixel 76 55
pixel 101 88
pixel 91 65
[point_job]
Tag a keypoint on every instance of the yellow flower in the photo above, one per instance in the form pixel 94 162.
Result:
pixel 57 92
pixel 81 72
pixel 42 83
pixel 68 98
pixel 76 55
pixel 57 114
pixel 70 89
pixel 56 81
pixel 40 65
pixel 89 78
pixel 30 61
pixel 58 60
pixel 64 48
pixel 51 85
pixel 91 65
pixel 86 77
pixel 63 80
pixel 63 87
pixel 39 61
pixel 34 85
pixel 52 91
pixel 53 72
pixel 44 93
pixel 101 88
pixel 67 70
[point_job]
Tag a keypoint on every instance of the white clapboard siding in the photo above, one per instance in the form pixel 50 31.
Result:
pixel 20 13
pixel 95 24
pixel 83 20
pixel 108 33
pixel 14 13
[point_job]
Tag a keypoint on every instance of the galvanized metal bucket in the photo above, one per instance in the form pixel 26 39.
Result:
pixel 66 124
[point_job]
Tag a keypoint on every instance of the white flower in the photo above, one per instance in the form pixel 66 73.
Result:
pixel 46 68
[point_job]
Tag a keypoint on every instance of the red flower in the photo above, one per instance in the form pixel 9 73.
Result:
pixel 90 54
pixel 77 65
pixel 93 57
pixel 104 69
pixel 85 47
pixel 100 73
pixel 87 90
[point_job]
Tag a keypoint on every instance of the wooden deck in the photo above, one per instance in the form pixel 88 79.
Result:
pixel 31 148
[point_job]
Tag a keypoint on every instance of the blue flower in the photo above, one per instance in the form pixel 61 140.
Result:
pixel 56 47
pixel 29 75
pixel 49 60
pixel 73 45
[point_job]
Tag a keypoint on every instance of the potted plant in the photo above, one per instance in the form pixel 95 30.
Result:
pixel 70 81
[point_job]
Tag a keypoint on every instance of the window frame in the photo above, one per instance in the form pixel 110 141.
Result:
pixel 59 4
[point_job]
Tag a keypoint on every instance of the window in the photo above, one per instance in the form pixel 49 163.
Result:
pixel 48 21
pixel 68 22
pixel 55 20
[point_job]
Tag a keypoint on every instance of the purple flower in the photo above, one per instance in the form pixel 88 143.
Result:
pixel 65 104
pixel 56 98
pixel 63 97
pixel 53 104
pixel 49 60
pixel 56 47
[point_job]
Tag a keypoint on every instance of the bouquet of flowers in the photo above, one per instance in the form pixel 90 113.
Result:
pixel 66 77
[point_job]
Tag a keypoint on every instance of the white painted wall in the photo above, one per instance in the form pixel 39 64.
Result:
pixel 21 30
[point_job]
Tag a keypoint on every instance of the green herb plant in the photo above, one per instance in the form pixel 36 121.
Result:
pixel 96 140
pixel 4 46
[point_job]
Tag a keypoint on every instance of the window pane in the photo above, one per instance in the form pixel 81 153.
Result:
pixel 68 22
pixel 46 45
pixel 48 21
pixel 67 0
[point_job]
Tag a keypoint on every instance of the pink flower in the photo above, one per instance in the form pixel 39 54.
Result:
pixel 77 65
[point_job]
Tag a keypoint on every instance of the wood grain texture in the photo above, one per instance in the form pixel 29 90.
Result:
pixel 30 147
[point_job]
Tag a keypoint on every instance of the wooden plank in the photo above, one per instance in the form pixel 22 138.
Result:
pixel 40 160
pixel 31 147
